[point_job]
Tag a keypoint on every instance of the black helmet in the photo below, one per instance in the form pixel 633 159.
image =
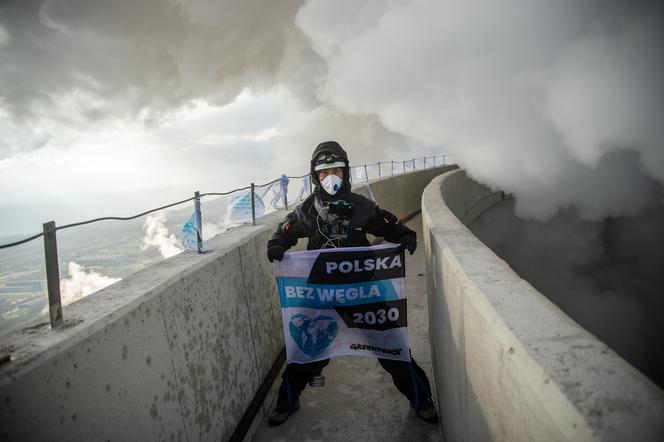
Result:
pixel 326 155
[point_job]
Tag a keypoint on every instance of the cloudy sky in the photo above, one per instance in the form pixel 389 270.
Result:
pixel 108 107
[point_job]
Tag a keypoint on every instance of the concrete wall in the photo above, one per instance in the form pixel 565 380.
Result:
pixel 509 365
pixel 173 352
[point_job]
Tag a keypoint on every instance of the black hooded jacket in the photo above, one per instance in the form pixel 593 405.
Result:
pixel 367 217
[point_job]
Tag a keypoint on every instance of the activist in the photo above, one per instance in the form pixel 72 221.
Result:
pixel 332 217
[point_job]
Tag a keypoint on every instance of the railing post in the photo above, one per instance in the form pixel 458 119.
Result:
pixel 414 164
pixel 366 174
pixel 52 274
pixel 198 217
pixel 253 204
pixel 380 175
pixel 392 168
pixel 283 189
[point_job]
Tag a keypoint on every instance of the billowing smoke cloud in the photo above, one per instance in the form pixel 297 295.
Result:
pixel 363 136
pixel 157 235
pixel 81 283
pixel 149 56
pixel 537 98
pixel 529 96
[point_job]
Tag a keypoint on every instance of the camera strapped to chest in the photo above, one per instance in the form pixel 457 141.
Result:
pixel 335 217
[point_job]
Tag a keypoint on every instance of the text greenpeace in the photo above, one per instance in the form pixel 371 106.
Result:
pixel 349 301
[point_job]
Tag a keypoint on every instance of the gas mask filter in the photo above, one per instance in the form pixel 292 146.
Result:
pixel 331 184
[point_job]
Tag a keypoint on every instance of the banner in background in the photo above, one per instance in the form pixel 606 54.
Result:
pixel 239 208
pixel 192 230
pixel 305 189
pixel 349 301
pixel 277 201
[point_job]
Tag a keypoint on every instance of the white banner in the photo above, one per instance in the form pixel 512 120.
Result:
pixel 345 301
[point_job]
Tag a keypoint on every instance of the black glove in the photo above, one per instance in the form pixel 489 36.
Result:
pixel 409 243
pixel 275 252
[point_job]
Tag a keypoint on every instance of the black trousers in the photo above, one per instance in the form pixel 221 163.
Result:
pixel 408 377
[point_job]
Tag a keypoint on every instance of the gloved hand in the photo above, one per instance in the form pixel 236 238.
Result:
pixel 275 252
pixel 409 243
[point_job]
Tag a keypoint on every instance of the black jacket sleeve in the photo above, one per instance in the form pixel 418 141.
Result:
pixel 384 223
pixel 289 231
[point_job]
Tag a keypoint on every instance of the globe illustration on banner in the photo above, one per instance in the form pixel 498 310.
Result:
pixel 313 336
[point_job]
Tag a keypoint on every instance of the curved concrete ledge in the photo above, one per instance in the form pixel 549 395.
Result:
pixel 509 365
pixel 176 351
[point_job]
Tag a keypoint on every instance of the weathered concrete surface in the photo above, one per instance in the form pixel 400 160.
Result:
pixel 509 365
pixel 359 401
pixel 167 353
pixel 173 352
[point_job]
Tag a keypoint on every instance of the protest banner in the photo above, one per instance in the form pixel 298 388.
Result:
pixel 345 301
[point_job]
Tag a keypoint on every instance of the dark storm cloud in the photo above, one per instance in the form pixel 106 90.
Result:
pixel 81 60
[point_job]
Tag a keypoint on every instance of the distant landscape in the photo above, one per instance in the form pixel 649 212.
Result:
pixel 93 256
pixel 106 249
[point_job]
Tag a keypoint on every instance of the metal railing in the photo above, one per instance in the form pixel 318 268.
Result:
pixel 50 228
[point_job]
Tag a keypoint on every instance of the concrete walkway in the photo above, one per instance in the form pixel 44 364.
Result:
pixel 359 400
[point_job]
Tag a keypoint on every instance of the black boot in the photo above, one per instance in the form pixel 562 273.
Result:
pixel 427 411
pixel 281 414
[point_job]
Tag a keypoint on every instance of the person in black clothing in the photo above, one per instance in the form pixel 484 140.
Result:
pixel 331 217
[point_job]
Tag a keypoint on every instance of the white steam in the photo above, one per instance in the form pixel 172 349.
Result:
pixel 4 37
pixel 157 235
pixel 527 95
pixel 81 282
pixel 541 99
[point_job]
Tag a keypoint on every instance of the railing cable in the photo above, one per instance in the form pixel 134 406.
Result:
pixel 117 218
pixel 3 246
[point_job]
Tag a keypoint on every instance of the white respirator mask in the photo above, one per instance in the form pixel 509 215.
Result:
pixel 331 184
